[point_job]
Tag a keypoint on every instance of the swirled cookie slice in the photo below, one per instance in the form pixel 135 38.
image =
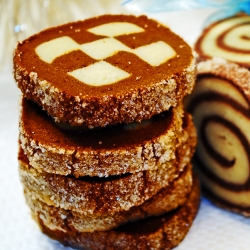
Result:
pixel 220 105
pixel 161 232
pixel 164 201
pixel 105 70
pixel 107 194
pixel 99 152
pixel 228 39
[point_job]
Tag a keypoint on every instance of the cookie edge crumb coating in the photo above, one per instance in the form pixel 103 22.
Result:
pixel 167 199
pixel 173 229
pixel 134 105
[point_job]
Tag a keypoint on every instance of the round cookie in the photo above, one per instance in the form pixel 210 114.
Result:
pixel 94 195
pixel 162 232
pixel 164 201
pixel 113 150
pixel 220 105
pixel 228 38
pixel 105 70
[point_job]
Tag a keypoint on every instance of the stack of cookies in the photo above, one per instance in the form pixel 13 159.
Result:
pixel 105 143
pixel 220 104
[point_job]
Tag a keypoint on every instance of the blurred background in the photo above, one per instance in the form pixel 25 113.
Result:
pixel 21 18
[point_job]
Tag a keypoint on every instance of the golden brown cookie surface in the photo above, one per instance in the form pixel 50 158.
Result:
pixel 164 201
pixel 162 232
pixel 114 150
pixel 93 195
pixel 114 193
pixel 84 74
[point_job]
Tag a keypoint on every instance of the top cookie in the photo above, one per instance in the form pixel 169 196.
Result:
pixel 105 70
pixel 228 38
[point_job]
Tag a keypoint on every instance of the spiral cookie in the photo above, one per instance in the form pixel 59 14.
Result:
pixel 105 70
pixel 228 39
pixel 220 105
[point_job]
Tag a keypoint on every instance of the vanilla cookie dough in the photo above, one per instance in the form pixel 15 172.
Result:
pixel 105 70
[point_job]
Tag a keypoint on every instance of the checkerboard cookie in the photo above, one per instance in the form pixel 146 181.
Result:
pixel 105 142
pixel 105 70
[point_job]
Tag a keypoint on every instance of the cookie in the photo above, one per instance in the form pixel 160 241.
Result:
pixel 161 232
pixel 220 105
pixel 105 70
pixel 113 150
pixel 107 194
pixel 228 39
pixel 165 200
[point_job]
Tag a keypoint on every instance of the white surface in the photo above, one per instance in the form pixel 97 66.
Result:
pixel 213 229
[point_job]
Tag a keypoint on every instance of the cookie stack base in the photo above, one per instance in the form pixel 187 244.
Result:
pixel 161 232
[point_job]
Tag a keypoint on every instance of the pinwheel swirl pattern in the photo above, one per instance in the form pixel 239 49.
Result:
pixel 229 39
pixel 221 113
